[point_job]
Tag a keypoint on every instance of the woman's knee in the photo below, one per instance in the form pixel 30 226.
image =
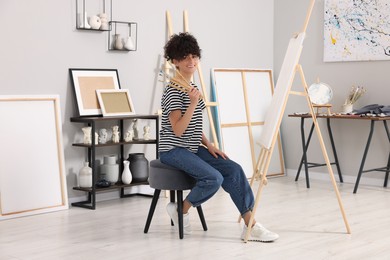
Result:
pixel 214 180
pixel 219 180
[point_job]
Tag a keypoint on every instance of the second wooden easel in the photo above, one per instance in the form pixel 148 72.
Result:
pixel 283 88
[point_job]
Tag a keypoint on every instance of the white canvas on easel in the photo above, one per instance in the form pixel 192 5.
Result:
pixel 274 117
pixel 243 97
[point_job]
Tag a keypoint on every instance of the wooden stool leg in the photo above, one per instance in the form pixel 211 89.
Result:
pixel 180 212
pixel 201 216
pixel 151 210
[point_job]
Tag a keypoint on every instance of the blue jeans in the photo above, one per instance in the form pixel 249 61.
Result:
pixel 211 173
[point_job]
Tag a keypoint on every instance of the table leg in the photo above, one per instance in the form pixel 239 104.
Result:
pixel 364 156
pixel 336 159
pixel 388 161
pixel 387 172
pixel 305 146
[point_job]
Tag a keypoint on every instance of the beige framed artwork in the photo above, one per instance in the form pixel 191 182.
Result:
pixel 86 82
pixel 115 102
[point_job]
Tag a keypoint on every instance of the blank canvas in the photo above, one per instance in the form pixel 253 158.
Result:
pixel 244 97
pixel 283 85
pixel 32 177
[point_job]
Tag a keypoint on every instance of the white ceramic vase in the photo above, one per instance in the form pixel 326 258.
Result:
pixel 85 176
pixel 129 45
pixel 83 21
pixel 109 170
pixel 95 22
pixel 126 174
pixel 118 44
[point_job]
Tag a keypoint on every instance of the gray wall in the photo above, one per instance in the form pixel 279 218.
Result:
pixel 39 43
pixel 351 136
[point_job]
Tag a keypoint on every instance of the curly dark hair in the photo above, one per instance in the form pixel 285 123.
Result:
pixel 180 45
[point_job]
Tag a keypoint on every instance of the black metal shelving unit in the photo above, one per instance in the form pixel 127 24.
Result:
pixel 92 121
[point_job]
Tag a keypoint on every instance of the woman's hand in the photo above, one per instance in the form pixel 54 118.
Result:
pixel 215 152
pixel 212 149
pixel 194 95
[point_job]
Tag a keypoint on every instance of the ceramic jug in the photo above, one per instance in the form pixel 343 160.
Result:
pixel 109 170
pixel 129 45
pixel 85 176
pixel 118 45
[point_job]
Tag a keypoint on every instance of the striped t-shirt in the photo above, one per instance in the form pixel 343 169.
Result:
pixel 173 99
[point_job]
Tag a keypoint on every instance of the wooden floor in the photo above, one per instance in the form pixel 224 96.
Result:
pixel 308 221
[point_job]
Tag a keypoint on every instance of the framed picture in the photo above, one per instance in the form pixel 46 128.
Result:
pixel 356 32
pixel 115 102
pixel 86 82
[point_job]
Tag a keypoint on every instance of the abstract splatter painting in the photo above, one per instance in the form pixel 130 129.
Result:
pixel 356 30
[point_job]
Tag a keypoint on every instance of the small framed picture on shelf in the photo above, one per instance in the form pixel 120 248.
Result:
pixel 86 82
pixel 115 102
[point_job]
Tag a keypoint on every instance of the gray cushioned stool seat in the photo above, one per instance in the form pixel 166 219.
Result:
pixel 165 177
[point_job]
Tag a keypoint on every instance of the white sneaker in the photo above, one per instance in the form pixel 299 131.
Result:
pixel 259 233
pixel 172 212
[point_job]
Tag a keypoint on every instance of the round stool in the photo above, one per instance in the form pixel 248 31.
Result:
pixel 165 177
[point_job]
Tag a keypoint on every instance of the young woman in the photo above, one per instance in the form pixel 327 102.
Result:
pixel 184 146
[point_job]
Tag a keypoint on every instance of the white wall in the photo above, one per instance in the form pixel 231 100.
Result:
pixel 39 43
pixel 351 136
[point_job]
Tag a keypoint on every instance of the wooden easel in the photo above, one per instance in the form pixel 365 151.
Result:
pixel 326 106
pixel 266 150
pixel 200 75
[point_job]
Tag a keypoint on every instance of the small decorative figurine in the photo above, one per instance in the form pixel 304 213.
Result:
pixel 96 138
pixel 103 136
pixel 87 134
pixel 129 135
pixel 135 129
pixel 104 20
pixel 115 134
pixel 146 132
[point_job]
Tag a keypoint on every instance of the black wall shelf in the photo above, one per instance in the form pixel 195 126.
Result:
pixel 82 12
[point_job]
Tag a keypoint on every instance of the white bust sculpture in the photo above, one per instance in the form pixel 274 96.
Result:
pixel 146 132
pixel 129 135
pixel 87 134
pixel 103 136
